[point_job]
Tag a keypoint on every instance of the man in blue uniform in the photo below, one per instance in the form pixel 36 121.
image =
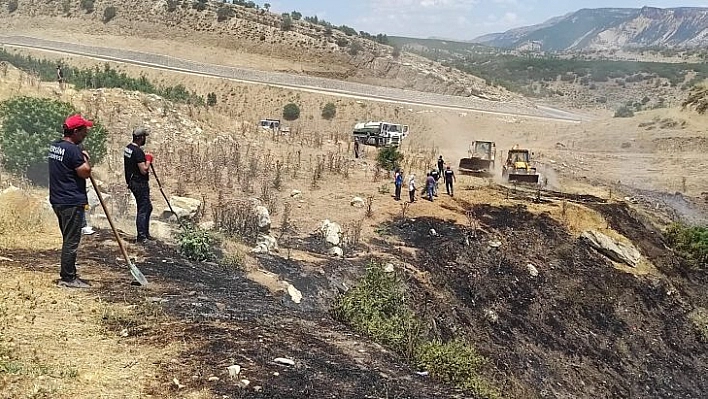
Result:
pixel 68 171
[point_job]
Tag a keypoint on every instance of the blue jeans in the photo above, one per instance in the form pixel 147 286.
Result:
pixel 430 192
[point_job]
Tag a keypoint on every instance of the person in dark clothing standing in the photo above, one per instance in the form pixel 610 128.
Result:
pixel 356 148
pixel 137 172
pixel 441 165
pixel 68 171
pixel 449 178
pixel 430 186
pixel 436 177
pixel 398 182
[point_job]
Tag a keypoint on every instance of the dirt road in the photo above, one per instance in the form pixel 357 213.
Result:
pixel 292 81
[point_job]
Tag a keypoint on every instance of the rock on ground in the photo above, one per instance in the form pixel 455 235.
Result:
pixel 615 250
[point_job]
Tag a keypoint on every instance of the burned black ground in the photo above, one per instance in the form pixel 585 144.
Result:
pixel 581 328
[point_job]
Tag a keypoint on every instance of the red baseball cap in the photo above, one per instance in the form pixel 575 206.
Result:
pixel 77 121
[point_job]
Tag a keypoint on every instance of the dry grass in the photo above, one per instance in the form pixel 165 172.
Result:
pixel 54 343
pixel 26 222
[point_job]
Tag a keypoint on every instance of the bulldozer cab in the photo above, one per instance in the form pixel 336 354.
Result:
pixel 517 157
pixel 482 150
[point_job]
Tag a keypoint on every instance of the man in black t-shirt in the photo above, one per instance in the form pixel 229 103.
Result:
pixel 68 171
pixel 449 178
pixel 137 172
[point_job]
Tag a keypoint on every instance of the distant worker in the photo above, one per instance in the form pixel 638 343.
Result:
pixel 411 188
pixel 137 171
pixel 441 165
pixel 449 178
pixel 60 77
pixel 356 148
pixel 430 186
pixel 398 182
pixel 436 176
pixel 68 170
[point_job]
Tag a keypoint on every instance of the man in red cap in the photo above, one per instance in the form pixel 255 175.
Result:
pixel 68 171
pixel 137 175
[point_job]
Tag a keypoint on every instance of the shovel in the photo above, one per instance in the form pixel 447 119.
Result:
pixel 165 196
pixel 137 274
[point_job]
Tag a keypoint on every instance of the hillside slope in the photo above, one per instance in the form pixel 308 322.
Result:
pixel 304 47
pixel 610 28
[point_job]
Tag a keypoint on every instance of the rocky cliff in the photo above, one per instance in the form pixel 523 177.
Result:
pixel 610 28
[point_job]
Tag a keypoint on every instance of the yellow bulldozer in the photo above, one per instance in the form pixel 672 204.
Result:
pixel 518 167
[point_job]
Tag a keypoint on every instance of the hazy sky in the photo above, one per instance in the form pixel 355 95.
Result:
pixel 459 19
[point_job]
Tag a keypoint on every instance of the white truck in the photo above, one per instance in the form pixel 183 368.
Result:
pixel 380 134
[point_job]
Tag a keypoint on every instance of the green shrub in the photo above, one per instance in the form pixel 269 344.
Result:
pixel 196 243
pixel 109 13
pixel 12 6
pixel 287 23
pixel 211 99
pixel 291 112
pixel 296 16
pixel 200 5
pixel 329 111
pixel 624 112
pixel 376 307
pixel 389 158
pixel 690 242
pixel 88 6
pixel 172 5
pixel 224 13
pixel 29 125
pixel 456 363
pixel 355 48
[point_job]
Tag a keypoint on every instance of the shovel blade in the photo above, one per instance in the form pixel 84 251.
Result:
pixel 137 274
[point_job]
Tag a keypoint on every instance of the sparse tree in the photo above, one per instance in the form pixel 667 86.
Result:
pixel 329 111
pixel 12 6
pixel 211 99
pixel 296 16
pixel 291 112
pixel 88 6
pixel 109 13
pixel 224 13
pixel 267 6
pixel 287 23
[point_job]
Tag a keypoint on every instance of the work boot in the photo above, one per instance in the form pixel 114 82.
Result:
pixel 75 283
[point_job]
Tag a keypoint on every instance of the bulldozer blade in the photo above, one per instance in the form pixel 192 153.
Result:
pixel 524 178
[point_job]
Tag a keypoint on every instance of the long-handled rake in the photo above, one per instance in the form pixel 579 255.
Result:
pixel 165 196
pixel 137 274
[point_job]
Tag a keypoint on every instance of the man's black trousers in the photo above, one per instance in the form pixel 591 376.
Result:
pixel 141 192
pixel 70 218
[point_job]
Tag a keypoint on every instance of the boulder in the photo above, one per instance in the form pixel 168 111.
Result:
pixel 263 217
pixel 358 202
pixel 615 250
pixel 265 244
pixel 336 252
pixel 184 207
pixel 331 232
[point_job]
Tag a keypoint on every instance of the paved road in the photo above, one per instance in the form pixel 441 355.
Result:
pixel 292 81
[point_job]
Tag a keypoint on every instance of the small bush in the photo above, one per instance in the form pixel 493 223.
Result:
pixel 12 6
pixel 172 5
pixel 296 16
pixel 200 5
pixel 287 23
pixel 376 307
pixel 389 158
pixel 291 112
pixel 690 242
pixel 456 363
pixel 624 112
pixel 195 243
pixel 329 111
pixel 355 48
pixel 29 125
pixel 224 13
pixel 88 6
pixel 211 99
pixel 109 13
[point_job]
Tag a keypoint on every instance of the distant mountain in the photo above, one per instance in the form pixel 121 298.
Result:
pixel 610 28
